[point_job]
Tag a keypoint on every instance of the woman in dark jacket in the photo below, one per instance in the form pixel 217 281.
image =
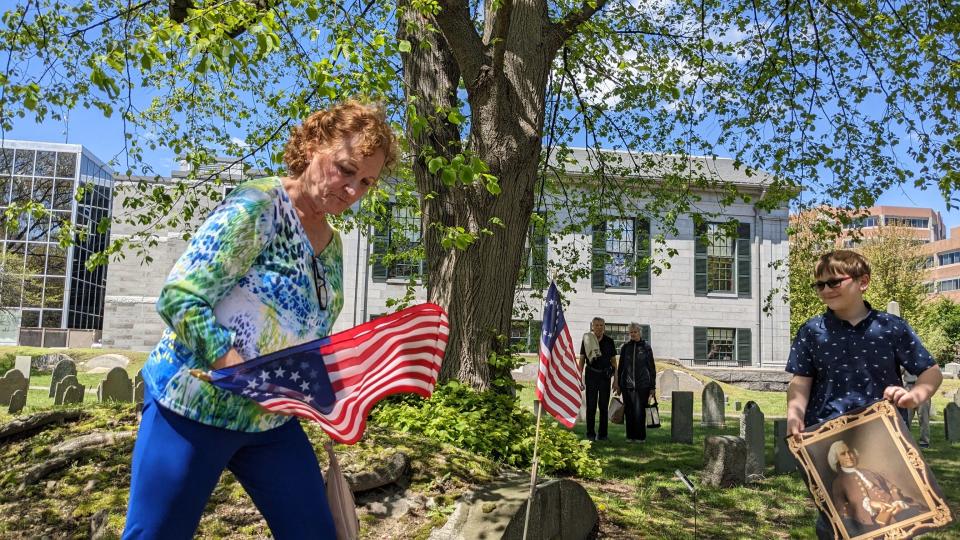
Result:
pixel 636 380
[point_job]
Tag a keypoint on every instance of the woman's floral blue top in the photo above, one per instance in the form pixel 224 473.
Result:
pixel 246 280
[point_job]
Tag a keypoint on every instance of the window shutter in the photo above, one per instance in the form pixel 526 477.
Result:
pixel 538 250
pixel 744 343
pixel 380 245
pixel 700 266
pixel 645 333
pixel 641 233
pixel 699 343
pixel 533 342
pixel 598 280
pixel 743 260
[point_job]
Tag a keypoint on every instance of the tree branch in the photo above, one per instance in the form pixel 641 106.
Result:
pixel 561 30
pixel 457 27
pixel 497 26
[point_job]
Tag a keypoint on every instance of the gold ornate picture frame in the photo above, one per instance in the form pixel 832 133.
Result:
pixel 869 478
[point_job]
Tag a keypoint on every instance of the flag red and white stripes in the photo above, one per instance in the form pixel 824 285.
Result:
pixel 558 382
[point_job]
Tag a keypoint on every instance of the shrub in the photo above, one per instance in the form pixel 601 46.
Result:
pixel 489 423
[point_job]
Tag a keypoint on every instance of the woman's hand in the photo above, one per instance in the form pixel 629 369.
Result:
pixel 232 358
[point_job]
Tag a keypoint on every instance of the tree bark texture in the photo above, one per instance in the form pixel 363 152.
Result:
pixel 476 286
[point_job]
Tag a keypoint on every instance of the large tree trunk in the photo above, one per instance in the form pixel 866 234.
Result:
pixel 506 99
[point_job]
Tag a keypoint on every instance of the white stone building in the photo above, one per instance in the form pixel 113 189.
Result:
pixel 713 305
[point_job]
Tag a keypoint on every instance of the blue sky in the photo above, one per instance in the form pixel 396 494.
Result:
pixel 104 137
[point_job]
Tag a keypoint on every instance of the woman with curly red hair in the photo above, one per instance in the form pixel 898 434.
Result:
pixel 263 273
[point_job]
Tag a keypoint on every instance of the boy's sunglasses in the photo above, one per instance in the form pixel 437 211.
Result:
pixel 832 283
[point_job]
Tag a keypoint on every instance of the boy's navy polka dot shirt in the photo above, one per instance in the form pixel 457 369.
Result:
pixel 852 365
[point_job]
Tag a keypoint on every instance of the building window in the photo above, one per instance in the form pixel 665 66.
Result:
pixel 915 223
pixel 397 248
pixel 620 333
pixel 722 262
pixel 722 346
pixel 620 247
pixel 533 273
pixel 866 221
pixel 950 257
pixel 525 335
pixel 929 287
pixel 947 285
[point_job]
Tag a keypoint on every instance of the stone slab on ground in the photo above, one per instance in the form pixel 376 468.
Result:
pixel 765 380
pixel 107 361
pixel 561 509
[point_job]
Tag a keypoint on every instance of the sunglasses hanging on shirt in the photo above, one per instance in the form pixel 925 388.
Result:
pixel 320 281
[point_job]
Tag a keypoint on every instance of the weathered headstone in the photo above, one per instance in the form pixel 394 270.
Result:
pixel 752 431
pixel 17 401
pixel 12 381
pixel 951 422
pixel 138 389
pixel 63 368
pixel 116 386
pixel 669 383
pixel 22 364
pixel 713 408
pixel 737 405
pixel 73 394
pixel 681 417
pixel 724 458
pixel 783 460
pixel 45 363
pixel 68 383
pixel 953 369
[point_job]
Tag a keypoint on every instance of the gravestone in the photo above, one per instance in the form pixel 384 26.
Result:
pixel 63 368
pixel 68 383
pixel 116 387
pixel 684 383
pixel 45 363
pixel 138 389
pixel 669 383
pixel 22 364
pixel 713 409
pixel 725 458
pixel 752 432
pixel 73 394
pixel 12 381
pixel 17 402
pixel 737 406
pixel 783 460
pixel 952 370
pixel 951 422
pixel 681 417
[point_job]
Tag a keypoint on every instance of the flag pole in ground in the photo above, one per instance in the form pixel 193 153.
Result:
pixel 558 379
pixel 533 473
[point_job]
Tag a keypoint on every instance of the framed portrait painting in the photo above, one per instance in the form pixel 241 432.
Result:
pixel 868 477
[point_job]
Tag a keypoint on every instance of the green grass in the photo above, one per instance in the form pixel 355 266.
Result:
pixel 639 496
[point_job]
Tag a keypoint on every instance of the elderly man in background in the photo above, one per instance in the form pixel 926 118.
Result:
pixel 596 355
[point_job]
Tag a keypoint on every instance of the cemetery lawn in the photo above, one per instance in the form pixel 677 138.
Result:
pixel 639 496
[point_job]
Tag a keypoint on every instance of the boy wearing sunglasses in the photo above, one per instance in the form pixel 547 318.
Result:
pixel 851 356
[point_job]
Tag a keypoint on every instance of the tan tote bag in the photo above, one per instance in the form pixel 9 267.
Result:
pixel 340 498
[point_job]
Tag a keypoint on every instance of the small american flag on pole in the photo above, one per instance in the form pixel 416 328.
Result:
pixel 336 380
pixel 558 383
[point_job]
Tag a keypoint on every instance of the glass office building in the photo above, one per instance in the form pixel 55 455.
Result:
pixel 45 285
